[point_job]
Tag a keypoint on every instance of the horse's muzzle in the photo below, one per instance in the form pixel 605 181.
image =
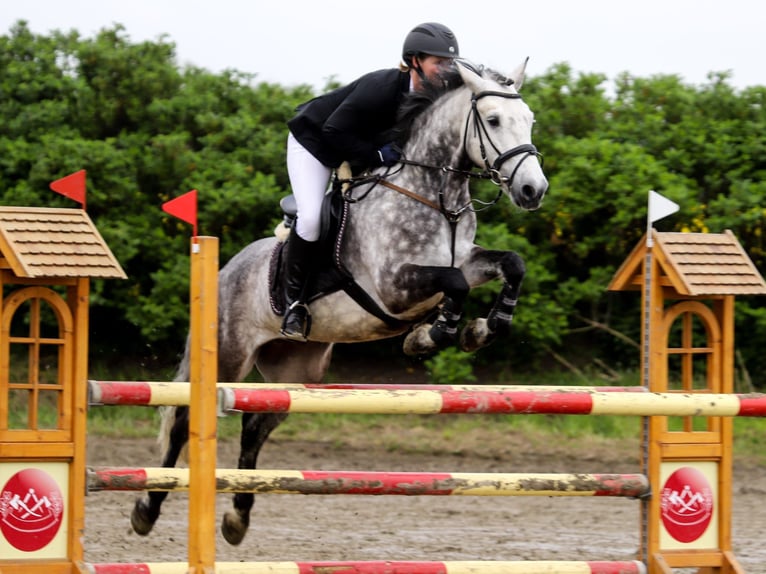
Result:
pixel 528 195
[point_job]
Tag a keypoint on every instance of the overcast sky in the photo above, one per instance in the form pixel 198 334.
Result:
pixel 310 41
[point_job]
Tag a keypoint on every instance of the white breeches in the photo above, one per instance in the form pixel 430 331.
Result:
pixel 308 179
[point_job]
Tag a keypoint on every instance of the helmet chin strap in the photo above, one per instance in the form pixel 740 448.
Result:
pixel 415 65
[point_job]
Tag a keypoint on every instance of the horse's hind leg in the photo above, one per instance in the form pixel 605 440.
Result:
pixel 147 510
pixel 256 428
pixel 279 361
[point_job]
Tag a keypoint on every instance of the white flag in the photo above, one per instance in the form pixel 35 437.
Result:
pixel 660 206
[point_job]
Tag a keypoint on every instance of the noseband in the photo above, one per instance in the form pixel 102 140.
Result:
pixel 481 131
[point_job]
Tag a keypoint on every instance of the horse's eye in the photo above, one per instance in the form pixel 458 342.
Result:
pixel 493 121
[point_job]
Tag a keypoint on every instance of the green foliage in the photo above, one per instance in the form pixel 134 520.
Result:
pixel 147 130
pixel 450 367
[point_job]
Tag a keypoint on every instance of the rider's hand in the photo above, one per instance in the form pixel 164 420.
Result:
pixel 389 154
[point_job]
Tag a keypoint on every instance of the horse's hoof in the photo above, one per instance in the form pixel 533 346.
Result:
pixel 475 335
pixel 442 335
pixel 233 527
pixel 419 341
pixel 142 519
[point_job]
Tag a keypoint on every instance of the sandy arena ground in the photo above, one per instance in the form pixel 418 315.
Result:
pixel 350 527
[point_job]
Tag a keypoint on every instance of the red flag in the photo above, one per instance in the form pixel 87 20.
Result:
pixel 72 186
pixel 184 207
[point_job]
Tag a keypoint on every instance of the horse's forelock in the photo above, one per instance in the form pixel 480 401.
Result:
pixel 496 76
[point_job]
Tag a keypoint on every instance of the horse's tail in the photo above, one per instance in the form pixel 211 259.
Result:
pixel 168 414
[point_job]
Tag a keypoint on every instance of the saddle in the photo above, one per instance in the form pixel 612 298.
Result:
pixel 329 275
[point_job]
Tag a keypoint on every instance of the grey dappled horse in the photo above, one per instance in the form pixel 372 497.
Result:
pixel 411 233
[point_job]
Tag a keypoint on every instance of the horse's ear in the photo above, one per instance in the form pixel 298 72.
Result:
pixel 470 74
pixel 518 74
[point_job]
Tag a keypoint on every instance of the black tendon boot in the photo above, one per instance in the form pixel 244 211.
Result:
pixel 299 261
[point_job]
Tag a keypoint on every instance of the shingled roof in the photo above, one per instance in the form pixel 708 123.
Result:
pixel 48 242
pixel 695 264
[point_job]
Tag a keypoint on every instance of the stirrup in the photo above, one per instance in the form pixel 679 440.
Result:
pixel 297 312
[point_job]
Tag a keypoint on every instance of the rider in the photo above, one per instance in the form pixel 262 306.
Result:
pixel 349 124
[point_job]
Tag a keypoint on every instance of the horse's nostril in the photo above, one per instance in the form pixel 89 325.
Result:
pixel 531 196
pixel 529 192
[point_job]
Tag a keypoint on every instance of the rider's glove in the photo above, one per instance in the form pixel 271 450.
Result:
pixel 389 154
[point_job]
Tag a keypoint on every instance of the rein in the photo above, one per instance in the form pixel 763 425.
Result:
pixel 411 195
pixel 452 216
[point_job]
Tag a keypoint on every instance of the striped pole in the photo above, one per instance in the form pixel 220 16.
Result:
pixel 138 393
pixel 152 393
pixel 433 399
pixel 384 567
pixel 376 483
pixel 530 401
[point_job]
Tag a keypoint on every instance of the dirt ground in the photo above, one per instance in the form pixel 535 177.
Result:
pixel 352 527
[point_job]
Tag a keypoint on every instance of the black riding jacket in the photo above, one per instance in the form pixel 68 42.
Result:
pixel 352 122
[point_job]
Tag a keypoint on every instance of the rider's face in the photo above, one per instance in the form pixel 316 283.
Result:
pixel 434 66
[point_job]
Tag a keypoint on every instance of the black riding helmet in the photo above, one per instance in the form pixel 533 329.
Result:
pixel 430 38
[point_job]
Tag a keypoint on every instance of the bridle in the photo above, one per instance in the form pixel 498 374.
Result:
pixel 491 171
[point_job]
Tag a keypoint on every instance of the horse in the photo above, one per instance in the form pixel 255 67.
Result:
pixel 408 243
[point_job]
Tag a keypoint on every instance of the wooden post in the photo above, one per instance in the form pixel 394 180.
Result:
pixel 653 308
pixel 78 296
pixel 202 406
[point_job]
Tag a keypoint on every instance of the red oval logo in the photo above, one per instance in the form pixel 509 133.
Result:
pixel 31 509
pixel 687 504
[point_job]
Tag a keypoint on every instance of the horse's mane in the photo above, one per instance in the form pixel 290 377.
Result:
pixel 416 102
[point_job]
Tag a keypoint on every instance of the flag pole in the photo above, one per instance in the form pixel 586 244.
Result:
pixel 657 208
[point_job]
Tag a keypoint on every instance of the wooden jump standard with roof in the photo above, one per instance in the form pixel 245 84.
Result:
pixel 47 258
pixel 688 323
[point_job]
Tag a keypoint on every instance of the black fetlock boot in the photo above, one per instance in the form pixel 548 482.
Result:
pixel 299 261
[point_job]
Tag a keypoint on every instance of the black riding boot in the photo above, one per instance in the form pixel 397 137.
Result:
pixel 299 261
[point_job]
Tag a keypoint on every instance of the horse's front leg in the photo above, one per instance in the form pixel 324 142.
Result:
pixel 484 266
pixel 420 283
